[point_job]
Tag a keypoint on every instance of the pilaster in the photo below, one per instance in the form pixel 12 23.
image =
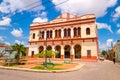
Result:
pixel 62 52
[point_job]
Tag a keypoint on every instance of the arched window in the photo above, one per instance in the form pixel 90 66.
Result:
pixel 55 33
pixel 79 31
pixel 49 47
pixel 59 33
pixel 65 32
pixel 33 35
pixel 50 33
pixel 69 31
pixel 75 32
pixel 43 34
pixel 41 48
pixel 47 34
pixel 87 31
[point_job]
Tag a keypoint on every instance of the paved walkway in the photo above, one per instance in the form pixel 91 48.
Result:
pixel 90 71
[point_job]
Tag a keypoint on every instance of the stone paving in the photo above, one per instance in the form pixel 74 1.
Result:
pixel 105 70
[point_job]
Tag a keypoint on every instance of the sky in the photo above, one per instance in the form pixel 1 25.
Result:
pixel 17 15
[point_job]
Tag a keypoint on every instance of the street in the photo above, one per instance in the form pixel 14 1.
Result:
pixel 105 70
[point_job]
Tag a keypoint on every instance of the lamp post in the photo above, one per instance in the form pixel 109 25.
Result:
pixel 45 36
pixel 46 49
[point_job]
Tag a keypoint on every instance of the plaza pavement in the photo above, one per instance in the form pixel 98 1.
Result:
pixel 105 70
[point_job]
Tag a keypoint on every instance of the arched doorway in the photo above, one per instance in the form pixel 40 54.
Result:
pixel 49 47
pixel 77 49
pixel 41 49
pixel 67 51
pixel 58 48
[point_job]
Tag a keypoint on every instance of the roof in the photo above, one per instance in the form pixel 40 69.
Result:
pixel 7 47
pixel 66 17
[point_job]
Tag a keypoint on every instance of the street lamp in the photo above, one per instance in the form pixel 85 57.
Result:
pixel 41 34
pixel 45 65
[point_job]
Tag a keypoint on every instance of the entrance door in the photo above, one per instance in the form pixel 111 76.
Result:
pixel 58 48
pixel 67 51
pixel 77 50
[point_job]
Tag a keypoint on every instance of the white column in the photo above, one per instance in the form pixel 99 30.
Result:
pixel 72 52
pixel 45 35
pixel 62 33
pixel 53 48
pixel 53 35
pixel 44 48
pixel 37 35
pixel 62 52
pixel 72 33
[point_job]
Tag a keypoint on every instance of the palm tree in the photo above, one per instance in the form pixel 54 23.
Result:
pixel 20 49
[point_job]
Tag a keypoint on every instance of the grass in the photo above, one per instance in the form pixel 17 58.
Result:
pixel 48 68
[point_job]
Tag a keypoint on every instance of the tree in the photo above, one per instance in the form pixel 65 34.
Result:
pixel 20 49
pixel 47 53
pixel 104 52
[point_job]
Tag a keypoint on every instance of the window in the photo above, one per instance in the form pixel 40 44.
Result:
pixel 51 34
pixel 43 34
pixel 88 31
pixel 55 33
pixel 88 53
pixel 59 33
pixel 47 34
pixel 74 31
pixel 79 31
pixel 65 32
pixel 69 31
pixel 33 35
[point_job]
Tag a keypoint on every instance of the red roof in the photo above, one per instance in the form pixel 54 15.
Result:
pixel 7 47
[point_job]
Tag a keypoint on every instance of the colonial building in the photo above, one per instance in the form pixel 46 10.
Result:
pixel 117 50
pixel 75 37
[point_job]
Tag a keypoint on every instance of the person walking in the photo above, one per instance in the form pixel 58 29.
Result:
pixel 114 60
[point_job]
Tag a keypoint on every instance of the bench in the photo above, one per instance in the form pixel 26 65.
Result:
pixel 14 61
pixel 48 64
pixel 9 62
pixel 67 61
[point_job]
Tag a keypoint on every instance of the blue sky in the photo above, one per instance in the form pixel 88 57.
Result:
pixel 17 15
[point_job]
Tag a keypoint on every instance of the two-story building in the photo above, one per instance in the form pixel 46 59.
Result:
pixel 75 37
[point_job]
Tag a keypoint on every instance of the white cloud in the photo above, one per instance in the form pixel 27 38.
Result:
pixel 5 21
pixel 109 43
pixel 43 14
pixel 117 13
pixel 17 32
pixel 7 43
pixel 1 38
pixel 39 19
pixel 42 18
pixel 11 6
pixel 80 7
pixel 118 31
pixel 118 25
pixel 104 26
pixel 103 46
pixel 19 42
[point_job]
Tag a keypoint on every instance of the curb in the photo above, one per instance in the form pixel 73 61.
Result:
pixel 43 71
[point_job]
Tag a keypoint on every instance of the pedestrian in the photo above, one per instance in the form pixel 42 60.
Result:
pixel 114 60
